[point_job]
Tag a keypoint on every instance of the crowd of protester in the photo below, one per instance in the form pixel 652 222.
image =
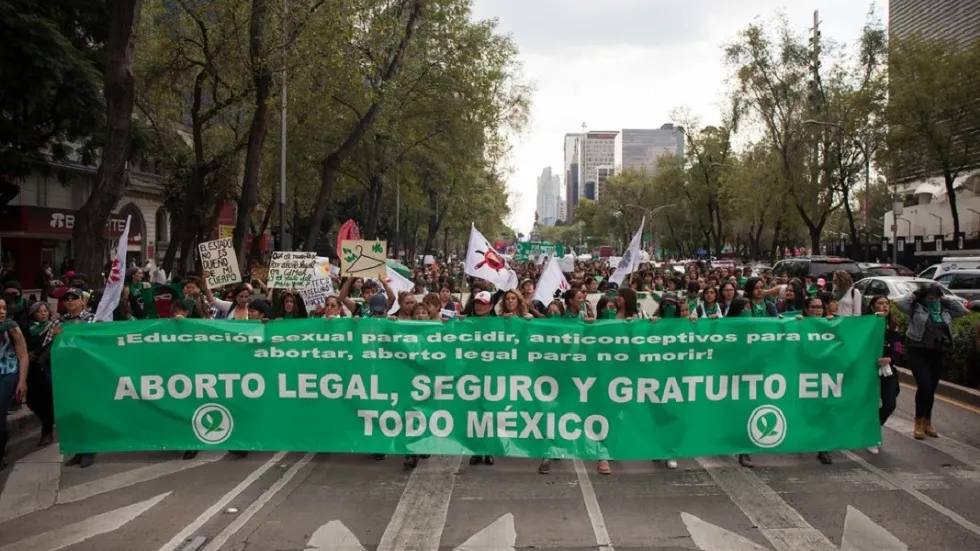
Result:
pixel 692 290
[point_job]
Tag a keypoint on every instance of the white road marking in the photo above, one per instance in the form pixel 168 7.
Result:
pixel 709 537
pixel 32 484
pixel 926 500
pixel 257 505
pixel 334 536
pixel 420 516
pixel 219 505
pixel 862 534
pixel 782 525
pixel 83 530
pixel 592 507
pixel 957 450
pixel 133 477
pixel 499 536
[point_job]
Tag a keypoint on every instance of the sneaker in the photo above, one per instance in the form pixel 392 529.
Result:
pixel 87 460
pixel 745 460
pixel 190 454
pixel 604 467
pixel 874 450
pixel 545 466
pixel 824 457
pixel 671 464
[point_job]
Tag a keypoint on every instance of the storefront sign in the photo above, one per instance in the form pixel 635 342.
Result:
pixel 61 222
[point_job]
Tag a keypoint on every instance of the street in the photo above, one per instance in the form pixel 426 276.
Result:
pixel 915 495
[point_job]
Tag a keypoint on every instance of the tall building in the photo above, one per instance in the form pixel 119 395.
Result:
pixel 957 20
pixel 571 173
pixel 640 149
pixel 602 173
pixel 595 149
pixel 549 193
pixel 562 210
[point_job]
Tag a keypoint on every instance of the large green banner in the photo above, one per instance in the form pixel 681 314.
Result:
pixel 509 387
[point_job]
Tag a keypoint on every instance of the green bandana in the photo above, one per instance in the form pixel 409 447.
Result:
pixel 37 327
pixel 607 314
pixel 711 309
pixel 758 310
pixel 935 310
pixel 670 311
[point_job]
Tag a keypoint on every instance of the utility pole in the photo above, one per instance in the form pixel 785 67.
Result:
pixel 867 202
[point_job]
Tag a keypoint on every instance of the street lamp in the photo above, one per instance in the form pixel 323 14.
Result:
pixel 977 212
pixel 648 212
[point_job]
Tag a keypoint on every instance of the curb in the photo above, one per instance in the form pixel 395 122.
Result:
pixel 949 390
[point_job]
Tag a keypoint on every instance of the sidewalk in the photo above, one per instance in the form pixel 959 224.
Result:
pixel 21 420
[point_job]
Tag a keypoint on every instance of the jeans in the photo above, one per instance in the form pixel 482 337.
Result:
pixel 889 397
pixel 8 388
pixel 926 365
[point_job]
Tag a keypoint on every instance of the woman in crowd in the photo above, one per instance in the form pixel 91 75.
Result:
pixel 332 308
pixel 891 353
pixel 575 305
pixel 14 365
pixel 928 337
pixel 406 305
pixel 513 305
pixel 813 307
pixel 709 307
pixel 728 294
pixel 627 307
pixel 446 301
pixel 606 308
pixel 791 303
pixel 237 308
pixel 40 398
pixel 288 305
pixel 850 301
pixel 758 305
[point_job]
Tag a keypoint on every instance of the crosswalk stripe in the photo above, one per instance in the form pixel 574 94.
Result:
pixel 961 452
pixel 782 525
pixel 80 531
pixel 133 477
pixel 926 500
pixel 709 537
pixel 420 516
pixel 333 536
pixel 257 505
pixel 32 484
pixel 592 507
pixel 863 534
pixel 498 536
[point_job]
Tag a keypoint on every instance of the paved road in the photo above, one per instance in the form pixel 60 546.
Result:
pixel 915 495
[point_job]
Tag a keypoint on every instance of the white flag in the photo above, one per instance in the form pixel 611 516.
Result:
pixel 552 283
pixel 398 284
pixel 114 287
pixel 484 262
pixel 630 259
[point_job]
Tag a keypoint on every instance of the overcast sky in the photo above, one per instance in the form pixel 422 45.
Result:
pixel 614 64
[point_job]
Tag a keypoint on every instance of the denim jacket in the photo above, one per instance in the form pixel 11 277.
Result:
pixel 918 315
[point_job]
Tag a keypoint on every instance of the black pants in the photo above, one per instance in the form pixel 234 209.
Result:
pixel 889 397
pixel 40 397
pixel 926 365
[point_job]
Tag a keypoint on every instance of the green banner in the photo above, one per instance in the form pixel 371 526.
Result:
pixel 509 387
pixel 526 250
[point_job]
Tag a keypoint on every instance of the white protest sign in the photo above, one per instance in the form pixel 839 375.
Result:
pixel 219 262
pixel 321 286
pixel 291 269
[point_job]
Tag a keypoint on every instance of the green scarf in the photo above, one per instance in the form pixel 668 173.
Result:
pixel 745 314
pixel 37 327
pixel 712 309
pixel 607 314
pixel 692 304
pixel 758 310
pixel 670 311
pixel 935 310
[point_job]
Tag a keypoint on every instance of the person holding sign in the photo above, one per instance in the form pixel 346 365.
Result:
pixel 287 305
pixel 368 290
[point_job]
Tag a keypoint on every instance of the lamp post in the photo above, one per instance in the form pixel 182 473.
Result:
pixel 940 222
pixel 648 212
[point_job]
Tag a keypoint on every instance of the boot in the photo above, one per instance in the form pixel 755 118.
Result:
pixel 928 428
pixel 920 428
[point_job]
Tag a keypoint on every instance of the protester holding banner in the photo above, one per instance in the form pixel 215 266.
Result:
pixel 626 305
pixel 368 290
pixel 891 354
pixel 446 301
pixel 14 365
pixel 237 308
pixel 708 307
pixel 928 337
pixel 512 305
pixel 287 305
pixel 40 398
pixel 576 306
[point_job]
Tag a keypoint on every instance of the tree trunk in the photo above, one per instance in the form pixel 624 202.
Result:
pixel 774 247
pixel 89 232
pixel 332 161
pixel 951 193
pixel 262 78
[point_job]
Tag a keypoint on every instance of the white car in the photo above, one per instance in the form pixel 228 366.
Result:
pixel 896 287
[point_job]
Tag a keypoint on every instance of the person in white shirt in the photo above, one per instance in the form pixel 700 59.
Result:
pixel 850 301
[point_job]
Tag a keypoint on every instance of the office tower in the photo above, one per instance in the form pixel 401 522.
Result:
pixel 640 149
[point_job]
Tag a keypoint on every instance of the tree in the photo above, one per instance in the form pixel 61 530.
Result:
pixel 51 93
pixel 933 113
pixel 118 88
pixel 382 66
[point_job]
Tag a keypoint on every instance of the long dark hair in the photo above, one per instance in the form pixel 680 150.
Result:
pixel 739 304
pixel 889 322
pixel 629 302
pixel 279 305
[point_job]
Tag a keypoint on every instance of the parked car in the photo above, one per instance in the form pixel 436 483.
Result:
pixel 949 264
pixel 816 266
pixel 876 270
pixel 896 287
pixel 965 283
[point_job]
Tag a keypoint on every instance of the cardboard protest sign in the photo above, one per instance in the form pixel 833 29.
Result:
pixel 219 262
pixel 321 286
pixel 364 259
pixel 291 269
